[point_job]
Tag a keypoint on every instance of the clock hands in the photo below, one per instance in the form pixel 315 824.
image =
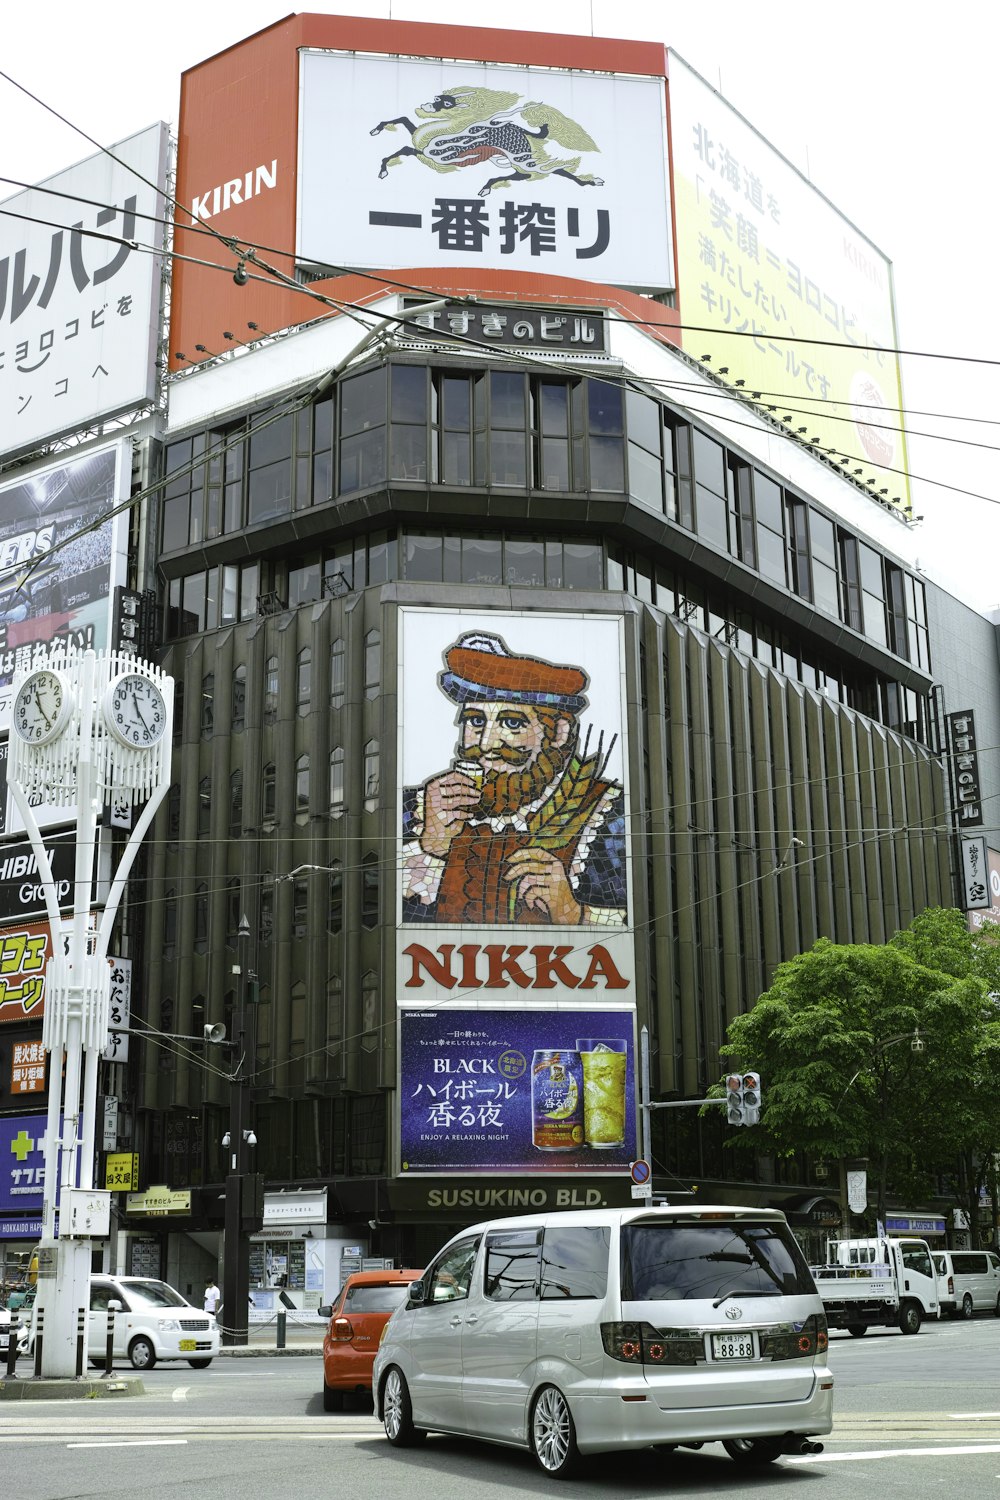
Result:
pixel 38 705
pixel 135 704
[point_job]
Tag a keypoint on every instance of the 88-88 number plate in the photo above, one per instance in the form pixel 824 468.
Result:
pixel 727 1347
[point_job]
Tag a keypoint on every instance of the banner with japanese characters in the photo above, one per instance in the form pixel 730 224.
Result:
pixel 25 951
pixel 410 161
pixel 530 1091
pixel 22 1162
pixel 80 275
pixel 780 289
pixel 61 554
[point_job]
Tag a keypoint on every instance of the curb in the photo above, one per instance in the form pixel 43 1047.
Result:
pixel 28 1388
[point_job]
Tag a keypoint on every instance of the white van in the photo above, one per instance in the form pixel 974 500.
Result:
pixel 968 1281
pixel 583 1332
pixel 153 1322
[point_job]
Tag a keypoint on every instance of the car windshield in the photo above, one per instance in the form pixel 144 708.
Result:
pixel 152 1294
pixel 701 1261
pixel 386 1298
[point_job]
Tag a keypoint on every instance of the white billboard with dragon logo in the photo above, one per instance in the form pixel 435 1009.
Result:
pixel 409 162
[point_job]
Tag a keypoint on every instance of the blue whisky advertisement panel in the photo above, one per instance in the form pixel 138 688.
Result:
pixel 517 1090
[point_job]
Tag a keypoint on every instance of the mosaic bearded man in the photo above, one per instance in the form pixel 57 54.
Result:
pixel 525 826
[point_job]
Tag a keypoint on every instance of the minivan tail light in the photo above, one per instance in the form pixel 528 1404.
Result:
pixel 642 1344
pixel 796 1340
pixel 343 1329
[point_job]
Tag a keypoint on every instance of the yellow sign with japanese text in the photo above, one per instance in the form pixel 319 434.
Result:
pixel 121 1171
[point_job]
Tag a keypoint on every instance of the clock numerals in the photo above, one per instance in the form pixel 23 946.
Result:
pixel 42 707
pixel 135 711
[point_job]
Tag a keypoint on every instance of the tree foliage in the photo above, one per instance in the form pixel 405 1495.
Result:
pixel 832 1039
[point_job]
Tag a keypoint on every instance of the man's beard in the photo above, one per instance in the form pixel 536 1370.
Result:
pixel 505 792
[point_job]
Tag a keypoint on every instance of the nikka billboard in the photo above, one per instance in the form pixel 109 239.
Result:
pixel 410 161
pixel 514 883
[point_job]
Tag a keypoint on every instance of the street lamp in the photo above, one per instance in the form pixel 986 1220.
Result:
pixel 243 1185
pixel 857 1169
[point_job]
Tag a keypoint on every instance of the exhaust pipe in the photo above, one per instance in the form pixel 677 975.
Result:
pixel 804 1445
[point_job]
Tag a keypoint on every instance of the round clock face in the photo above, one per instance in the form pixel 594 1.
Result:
pixel 42 707
pixel 134 711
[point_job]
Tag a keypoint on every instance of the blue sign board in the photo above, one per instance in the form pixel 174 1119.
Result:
pixel 523 1091
pixel 22 1166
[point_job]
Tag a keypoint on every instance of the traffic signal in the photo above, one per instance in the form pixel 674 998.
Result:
pixel 743 1098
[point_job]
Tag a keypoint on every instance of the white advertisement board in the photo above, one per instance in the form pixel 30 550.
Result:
pixel 61 555
pixel 80 292
pixel 410 162
pixel 764 260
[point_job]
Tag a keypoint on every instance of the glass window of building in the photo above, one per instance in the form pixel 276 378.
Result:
pixel 338 673
pixel 710 503
pixel 176 495
pixel 362 431
pixel 335 904
pixel 269 469
pixel 646 473
pixel 797 533
pixel 895 599
pixel 850 580
pixel 371 775
pixel 322 483
pixel 207 705
pixel 300 907
pixel 458 419
pixel 551 424
pixel 204 806
pixel 770 528
pixel 872 594
pixel 508 428
pixel 337 781
pixel 169 922
pixel 233 912
pixel 267 793
pixel 239 704
pixel 823 552
pixel 739 490
pixel 271 690
pixel 408 412
pixel 302 789
pixel 524 562
pixel 304 584
pixel 369 890
pixel 606 435
pixel 201 919
pixel 373 663
pixel 303 681
pixel 236 803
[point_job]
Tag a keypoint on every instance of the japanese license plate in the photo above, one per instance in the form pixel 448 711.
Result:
pixel 191 1344
pixel 729 1346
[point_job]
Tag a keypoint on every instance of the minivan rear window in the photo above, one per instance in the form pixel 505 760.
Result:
pixel 702 1261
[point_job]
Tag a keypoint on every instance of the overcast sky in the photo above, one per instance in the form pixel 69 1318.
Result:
pixel 891 116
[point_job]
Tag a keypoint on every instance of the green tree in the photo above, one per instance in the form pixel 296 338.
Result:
pixel 833 1039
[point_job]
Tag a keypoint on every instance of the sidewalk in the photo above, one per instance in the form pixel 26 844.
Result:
pixel 303 1335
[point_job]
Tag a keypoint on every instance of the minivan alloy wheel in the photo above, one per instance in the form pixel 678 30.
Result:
pixel 967 1308
pixel 397 1413
pixel 553 1434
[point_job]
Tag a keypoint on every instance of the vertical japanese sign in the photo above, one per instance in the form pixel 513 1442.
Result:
pixel 61 554
pixel 975 875
pixel 79 298
pixel 990 913
pixel 24 954
pixel 968 807
pixel 527 1091
pixel 763 258
pixel 410 161
pixel 119 1010
pixel 27 1067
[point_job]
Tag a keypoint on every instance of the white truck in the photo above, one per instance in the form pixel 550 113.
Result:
pixel 885 1283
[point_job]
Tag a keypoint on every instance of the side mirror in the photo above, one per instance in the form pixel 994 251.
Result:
pixel 417 1294
pixel 114 1305
pixel 324 1312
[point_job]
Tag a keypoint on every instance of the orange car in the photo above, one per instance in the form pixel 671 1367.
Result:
pixel 364 1305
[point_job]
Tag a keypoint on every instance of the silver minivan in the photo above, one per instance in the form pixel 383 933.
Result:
pixel 586 1332
pixel 968 1281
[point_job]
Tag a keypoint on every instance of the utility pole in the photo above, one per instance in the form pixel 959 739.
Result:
pixel 243 1206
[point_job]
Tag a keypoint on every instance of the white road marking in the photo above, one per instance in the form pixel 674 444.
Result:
pixel 839 1458
pixel 180 1394
pixel 974 1416
pixel 136 1443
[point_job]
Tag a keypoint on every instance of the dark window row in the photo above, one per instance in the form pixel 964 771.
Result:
pixel 409 423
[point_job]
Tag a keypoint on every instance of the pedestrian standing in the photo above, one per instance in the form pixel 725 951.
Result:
pixel 212 1295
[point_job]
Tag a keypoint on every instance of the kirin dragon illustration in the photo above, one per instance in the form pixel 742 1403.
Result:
pixel 467 127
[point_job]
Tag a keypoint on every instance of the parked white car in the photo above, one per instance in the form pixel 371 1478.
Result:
pixel 585 1332
pixel 968 1282
pixel 7 1321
